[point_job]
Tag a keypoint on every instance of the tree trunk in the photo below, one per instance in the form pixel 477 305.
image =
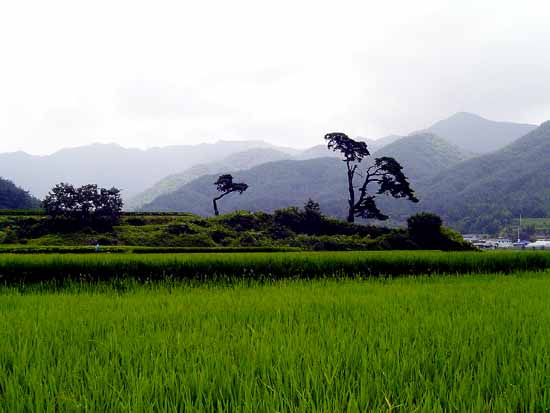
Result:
pixel 351 208
pixel 216 212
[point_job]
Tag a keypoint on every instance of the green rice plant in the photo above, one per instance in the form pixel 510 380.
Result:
pixel 30 268
pixel 423 344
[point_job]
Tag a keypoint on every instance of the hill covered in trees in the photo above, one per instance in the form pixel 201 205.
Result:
pixel 237 161
pixel 281 184
pixel 272 186
pixel 423 155
pixel 487 191
pixel 481 193
pixel 13 197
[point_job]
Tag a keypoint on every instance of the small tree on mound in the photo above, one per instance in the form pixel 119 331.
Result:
pixel 386 173
pixel 225 185
pixel 87 205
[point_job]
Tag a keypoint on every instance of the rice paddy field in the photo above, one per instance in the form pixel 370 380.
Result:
pixel 59 268
pixel 340 332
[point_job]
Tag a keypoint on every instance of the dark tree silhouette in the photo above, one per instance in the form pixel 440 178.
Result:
pixel 225 185
pixel 87 204
pixel 386 172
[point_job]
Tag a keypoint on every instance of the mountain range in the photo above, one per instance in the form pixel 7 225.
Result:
pixel 487 190
pixel 472 193
pixel 475 134
pixel 236 161
pixel 292 182
pixel 451 165
pixel 131 170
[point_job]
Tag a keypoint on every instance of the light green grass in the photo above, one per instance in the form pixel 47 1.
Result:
pixel 470 343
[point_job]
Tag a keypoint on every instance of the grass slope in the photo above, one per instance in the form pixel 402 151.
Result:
pixel 464 344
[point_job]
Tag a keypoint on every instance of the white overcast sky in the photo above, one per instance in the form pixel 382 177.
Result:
pixel 155 73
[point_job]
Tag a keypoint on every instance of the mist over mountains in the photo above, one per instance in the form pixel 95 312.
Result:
pixel 494 188
pixel 275 185
pixel 471 170
pixel 470 191
pixel 236 161
pixel 475 134
pixel 131 170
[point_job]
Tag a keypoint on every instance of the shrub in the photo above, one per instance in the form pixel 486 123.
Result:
pixel 180 229
pixel 246 221
pixel 220 235
pixel 136 221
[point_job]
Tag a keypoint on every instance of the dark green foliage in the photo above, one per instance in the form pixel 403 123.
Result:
pixel 386 173
pixel 305 228
pixel 424 227
pixel 246 221
pixel 13 197
pixel 135 221
pixel 225 185
pixel 427 232
pixel 179 229
pixel 487 193
pixel 29 269
pixel 86 205
pixel 352 150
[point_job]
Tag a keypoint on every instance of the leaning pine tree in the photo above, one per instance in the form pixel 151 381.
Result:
pixel 225 185
pixel 386 173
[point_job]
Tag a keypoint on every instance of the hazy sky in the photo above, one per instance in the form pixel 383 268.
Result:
pixel 157 73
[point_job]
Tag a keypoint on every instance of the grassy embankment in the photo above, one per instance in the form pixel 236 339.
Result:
pixel 284 229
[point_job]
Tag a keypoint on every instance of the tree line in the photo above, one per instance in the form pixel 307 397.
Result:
pixel 90 204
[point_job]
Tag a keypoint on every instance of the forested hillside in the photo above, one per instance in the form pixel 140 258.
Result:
pixel 237 161
pixel 285 183
pixel 423 155
pixel 485 192
pixel 13 197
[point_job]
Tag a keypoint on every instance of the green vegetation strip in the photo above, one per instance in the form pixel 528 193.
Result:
pixel 35 249
pixel 33 268
pixel 472 343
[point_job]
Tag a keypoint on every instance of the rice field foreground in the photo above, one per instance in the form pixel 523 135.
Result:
pixel 471 343
pixel 32 268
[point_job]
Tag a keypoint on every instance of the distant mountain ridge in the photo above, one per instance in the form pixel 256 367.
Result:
pixel 494 187
pixel 471 192
pixel 475 134
pixel 131 170
pixel 292 182
pixel 424 155
pixel 237 161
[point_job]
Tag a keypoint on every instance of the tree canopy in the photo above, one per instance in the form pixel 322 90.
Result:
pixel 385 172
pixel 87 204
pixel 225 185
